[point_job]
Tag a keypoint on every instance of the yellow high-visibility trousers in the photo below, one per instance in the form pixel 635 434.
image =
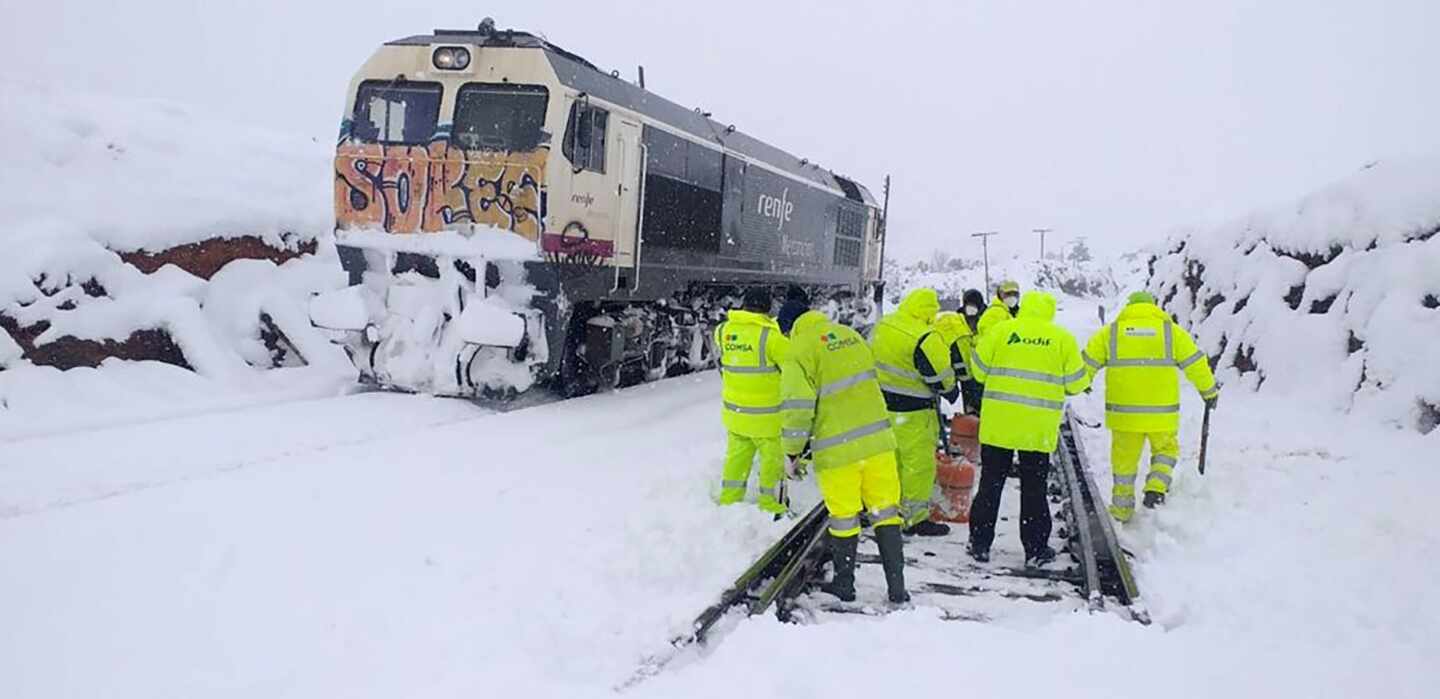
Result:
pixel 871 484
pixel 916 435
pixel 739 456
pixel 1125 449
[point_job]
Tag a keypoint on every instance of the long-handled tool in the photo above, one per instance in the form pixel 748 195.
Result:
pixel 1204 438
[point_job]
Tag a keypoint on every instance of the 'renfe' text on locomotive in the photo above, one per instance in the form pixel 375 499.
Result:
pixel 509 215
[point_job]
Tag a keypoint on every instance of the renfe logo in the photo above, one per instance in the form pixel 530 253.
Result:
pixel 778 209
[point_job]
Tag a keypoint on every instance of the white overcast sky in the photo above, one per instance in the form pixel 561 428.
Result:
pixel 1118 120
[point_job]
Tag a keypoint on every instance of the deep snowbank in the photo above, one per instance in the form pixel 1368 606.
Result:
pixel 127 224
pixel 1334 300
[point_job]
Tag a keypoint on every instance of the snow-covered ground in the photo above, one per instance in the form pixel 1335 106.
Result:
pixel 385 545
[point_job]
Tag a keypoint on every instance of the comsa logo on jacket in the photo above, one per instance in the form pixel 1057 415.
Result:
pixel 1037 341
pixel 834 342
pixel 733 344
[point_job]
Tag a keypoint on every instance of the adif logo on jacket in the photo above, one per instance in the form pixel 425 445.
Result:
pixel 834 342
pixel 1037 341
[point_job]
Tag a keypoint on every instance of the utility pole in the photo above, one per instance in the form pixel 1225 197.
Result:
pixel 985 244
pixel 1042 232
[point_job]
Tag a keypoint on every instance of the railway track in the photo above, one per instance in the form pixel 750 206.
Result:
pixel 1097 577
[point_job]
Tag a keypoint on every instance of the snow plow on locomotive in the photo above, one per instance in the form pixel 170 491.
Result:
pixel 510 215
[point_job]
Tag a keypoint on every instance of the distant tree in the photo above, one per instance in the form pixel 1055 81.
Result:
pixel 1078 252
pixel 939 258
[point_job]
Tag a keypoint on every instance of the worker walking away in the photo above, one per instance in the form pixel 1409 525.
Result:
pixel 833 404
pixel 913 362
pixel 751 350
pixel 1028 365
pixel 958 335
pixel 1142 353
pixel 1003 307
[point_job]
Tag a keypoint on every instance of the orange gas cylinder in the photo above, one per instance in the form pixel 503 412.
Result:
pixel 956 478
pixel 965 437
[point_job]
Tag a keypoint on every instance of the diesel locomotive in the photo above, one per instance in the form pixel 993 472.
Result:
pixel 510 215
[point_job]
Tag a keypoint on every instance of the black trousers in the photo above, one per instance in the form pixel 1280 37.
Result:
pixel 971 393
pixel 995 464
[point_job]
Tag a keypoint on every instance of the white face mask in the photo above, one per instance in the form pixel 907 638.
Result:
pixel 1012 301
pixel 972 311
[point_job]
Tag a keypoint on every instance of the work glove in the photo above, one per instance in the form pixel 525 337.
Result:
pixel 1210 403
pixel 795 467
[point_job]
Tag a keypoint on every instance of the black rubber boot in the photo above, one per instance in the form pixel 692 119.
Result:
pixel 842 557
pixel 1153 499
pixel 1040 558
pixel 892 557
pixel 980 555
pixel 928 528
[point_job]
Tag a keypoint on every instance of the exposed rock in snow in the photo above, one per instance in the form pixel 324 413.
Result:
pixel 1328 300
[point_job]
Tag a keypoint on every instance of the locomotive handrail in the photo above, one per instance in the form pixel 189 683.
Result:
pixel 640 216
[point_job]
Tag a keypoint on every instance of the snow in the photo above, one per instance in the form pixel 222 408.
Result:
pixel 247 532
pixel 91 176
pixel 1328 293
pixel 341 309
pixel 450 551
pixel 491 324
pixel 483 242
pixel 149 174
pixel 9 351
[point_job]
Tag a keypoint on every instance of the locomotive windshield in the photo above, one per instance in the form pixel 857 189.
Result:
pixel 394 112
pixel 500 117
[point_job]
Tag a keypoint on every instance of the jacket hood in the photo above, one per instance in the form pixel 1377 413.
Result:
pixel 1037 304
pixel 1142 310
pixel 951 326
pixel 738 315
pixel 921 304
pixel 808 321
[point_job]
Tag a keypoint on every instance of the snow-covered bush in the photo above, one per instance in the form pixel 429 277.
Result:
pixel 1334 300
pixel 1074 278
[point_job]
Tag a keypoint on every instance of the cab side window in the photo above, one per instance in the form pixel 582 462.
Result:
pixel 585 136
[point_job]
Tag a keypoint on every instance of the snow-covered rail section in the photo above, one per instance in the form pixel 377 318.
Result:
pixel 786 577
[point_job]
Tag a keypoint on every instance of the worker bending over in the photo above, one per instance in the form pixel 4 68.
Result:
pixel 751 350
pixel 834 408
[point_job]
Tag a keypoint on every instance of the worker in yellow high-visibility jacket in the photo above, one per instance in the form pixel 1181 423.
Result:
pixel 1143 353
pixel 915 369
pixel 834 408
pixel 751 350
pixel 1002 308
pixel 956 333
pixel 1028 365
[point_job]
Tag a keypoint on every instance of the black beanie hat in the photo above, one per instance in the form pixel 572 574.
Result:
pixel 758 298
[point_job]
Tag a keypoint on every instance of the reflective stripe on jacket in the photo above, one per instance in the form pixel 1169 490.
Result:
pixel 1142 353
pixel 832 396
pixel 913 361
pixel 1028 366
pixel 751 349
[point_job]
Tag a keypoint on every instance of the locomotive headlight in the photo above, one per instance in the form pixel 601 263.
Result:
pixel 451 58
